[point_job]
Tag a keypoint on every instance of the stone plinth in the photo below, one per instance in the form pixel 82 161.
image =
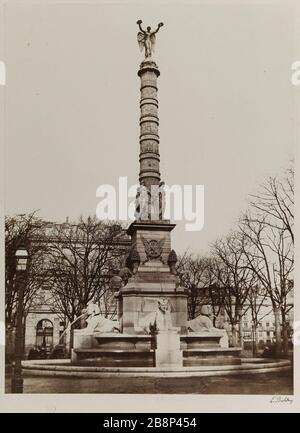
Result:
pixel 138 299
pixel 148 230
pixel 168 353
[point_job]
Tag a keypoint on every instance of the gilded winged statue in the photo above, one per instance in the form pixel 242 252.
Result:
pixel 146 38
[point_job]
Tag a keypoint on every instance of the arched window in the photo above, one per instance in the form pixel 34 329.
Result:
pixel 44 334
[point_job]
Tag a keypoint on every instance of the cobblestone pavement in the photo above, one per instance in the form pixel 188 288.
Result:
pixel 272 383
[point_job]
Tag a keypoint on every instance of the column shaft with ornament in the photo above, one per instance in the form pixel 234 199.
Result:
pixel 150 272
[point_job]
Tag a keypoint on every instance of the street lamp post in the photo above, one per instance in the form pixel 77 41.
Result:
pixel 21 267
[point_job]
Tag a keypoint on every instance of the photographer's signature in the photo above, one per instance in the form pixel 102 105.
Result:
pixel 281 399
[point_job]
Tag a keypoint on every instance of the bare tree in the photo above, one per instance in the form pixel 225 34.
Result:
pixel 192 272
pixel 269 252
pixel 200 276
pixel 275 200
pixel 23 230
pixel 259 254
pixel 268 231
pixel 81 260
pixel 236 279
pixel 107 303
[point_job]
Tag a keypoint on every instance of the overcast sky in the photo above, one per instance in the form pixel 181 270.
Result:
pixel 227 106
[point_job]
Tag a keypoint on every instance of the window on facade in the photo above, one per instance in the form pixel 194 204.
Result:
pixel 44 334
pixel 267 324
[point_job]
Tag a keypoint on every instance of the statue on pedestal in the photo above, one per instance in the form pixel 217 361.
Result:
pixel 142 204
pixel 146 38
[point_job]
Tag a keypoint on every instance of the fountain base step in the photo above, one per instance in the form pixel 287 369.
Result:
pixel 146 358
pixel 113 357
pixel 196 361
pixel 64 368
pixel 134 350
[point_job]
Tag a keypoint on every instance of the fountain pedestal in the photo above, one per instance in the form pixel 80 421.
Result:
pixel 152 306
pixel 168 352
pixel 138 350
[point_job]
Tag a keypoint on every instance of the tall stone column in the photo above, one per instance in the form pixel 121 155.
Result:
pixel 151 262
pixel 149 121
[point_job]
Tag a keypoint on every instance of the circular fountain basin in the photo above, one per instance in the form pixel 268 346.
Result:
pixel 64 368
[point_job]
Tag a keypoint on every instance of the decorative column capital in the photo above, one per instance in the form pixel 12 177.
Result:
pixel 148 66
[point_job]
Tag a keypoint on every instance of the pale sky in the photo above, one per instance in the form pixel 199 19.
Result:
pixel 227 105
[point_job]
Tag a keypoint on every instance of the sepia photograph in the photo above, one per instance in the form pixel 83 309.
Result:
pixel 148 201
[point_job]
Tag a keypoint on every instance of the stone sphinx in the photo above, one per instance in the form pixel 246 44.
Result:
pixel 157 317
pixel 162 317
pixel 98 323
pixel 203 323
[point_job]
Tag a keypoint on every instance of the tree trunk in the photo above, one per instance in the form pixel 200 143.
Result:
pixel 10 334
pixel 235 337
pixel 277 333
pixel 241 331
pixel 285 343
pixel 254 341
pixel 71 342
